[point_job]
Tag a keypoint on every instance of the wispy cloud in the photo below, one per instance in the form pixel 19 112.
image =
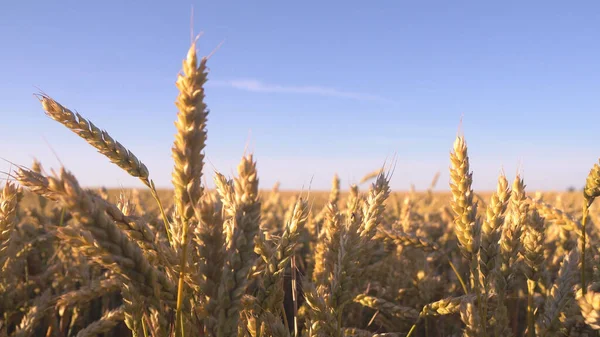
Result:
pixel 258 86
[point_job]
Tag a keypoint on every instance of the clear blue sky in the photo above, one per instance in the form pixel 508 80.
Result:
pixel 312 87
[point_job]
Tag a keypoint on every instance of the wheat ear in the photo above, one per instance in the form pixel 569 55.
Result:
pixel 590 192
pixel 8 216
pixel 243 219
pixel 104 143
pixel 190 141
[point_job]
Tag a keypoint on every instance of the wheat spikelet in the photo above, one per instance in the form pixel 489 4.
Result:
pixel 446 306
pixel 386 307
pixel 405 239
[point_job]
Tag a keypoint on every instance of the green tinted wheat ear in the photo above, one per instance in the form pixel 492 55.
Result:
pixel 590 192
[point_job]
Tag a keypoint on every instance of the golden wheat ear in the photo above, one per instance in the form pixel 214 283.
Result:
pixel 8 217
pixel 590 192
pixel 96 137
pixel 189 160
pixel 105 144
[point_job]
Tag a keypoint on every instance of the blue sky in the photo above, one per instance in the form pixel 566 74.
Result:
pixel 312 87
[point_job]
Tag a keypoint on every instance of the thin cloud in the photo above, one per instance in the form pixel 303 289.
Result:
pixel 258 86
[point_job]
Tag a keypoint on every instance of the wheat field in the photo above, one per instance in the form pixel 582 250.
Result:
pixel 241 260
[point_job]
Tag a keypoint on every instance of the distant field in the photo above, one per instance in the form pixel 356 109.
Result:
pixel 316 198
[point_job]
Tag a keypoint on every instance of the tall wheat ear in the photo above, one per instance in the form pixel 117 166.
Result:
pixel 190 141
